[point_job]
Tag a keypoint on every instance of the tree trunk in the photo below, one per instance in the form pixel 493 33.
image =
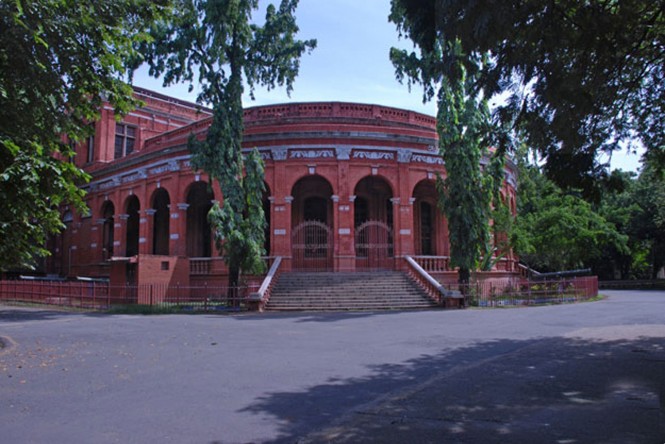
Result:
pixel 464 277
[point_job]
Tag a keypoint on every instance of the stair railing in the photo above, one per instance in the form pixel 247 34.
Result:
pixel 262 296
pixel 431 286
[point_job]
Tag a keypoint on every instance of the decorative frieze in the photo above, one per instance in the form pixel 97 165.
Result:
pixel 431 160
pixel 112 183
pixel 136 175
pixel 311 154
pixel 170 166
pixel 373 155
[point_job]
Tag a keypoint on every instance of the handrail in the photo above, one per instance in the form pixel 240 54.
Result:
pixel 433 287
pixel 262 295
pixel 526 271
pixel 433 263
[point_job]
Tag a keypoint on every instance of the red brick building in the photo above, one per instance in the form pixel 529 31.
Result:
pixel 348 187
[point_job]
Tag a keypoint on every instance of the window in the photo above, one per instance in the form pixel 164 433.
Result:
pixel 90 149
pixel 125 136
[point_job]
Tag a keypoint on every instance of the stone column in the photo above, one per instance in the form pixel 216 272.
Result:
pixel 146 231
pixel 178 229
pixel 281 229
pixel 343 214
pixel 120 249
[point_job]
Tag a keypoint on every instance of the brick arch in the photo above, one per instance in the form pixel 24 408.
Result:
pixel 195 183
pixel 198 197
pixel 160 202
pixel 373 200
pixel 312 199
pixel 132 208
pixel 428 222
pixel 328 175
pixel 312 219
pixel 107 213
pixel 381 177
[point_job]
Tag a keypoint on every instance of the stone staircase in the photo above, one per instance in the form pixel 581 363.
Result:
pixel 383 290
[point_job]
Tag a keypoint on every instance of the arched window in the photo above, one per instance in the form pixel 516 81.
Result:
pixel 108 213
pixel 132 208
pixel 161 222
pixel 199 201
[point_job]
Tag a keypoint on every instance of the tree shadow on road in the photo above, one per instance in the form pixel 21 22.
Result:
pixel 23 314
pixel 577 389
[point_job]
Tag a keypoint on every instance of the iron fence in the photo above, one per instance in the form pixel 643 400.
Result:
pixel 148 297
pixel 521 292
pixel 205 298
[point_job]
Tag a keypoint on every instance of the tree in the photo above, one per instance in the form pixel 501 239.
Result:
pixel 59 59
pixel 580 77
pixel 465 133
pixel 559 231
pixel 217 42
pixel 647 224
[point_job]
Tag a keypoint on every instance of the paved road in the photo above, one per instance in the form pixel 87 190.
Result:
pixel 583 373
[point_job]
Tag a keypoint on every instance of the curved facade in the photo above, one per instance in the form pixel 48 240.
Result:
pixel 348 186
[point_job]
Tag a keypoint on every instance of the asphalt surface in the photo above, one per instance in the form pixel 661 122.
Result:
pixel 581 373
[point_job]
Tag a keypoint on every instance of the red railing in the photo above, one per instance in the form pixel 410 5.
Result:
pixel 431 286
pixel 433 263
pixel 88 295
pixel 262 295
pixel 102 296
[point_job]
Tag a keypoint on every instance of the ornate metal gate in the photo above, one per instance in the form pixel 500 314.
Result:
pixel 374 246
pixel 312 246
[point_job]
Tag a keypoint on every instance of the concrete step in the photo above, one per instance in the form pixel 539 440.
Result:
pixel 383 290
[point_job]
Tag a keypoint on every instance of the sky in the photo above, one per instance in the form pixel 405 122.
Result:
pixel 350 63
